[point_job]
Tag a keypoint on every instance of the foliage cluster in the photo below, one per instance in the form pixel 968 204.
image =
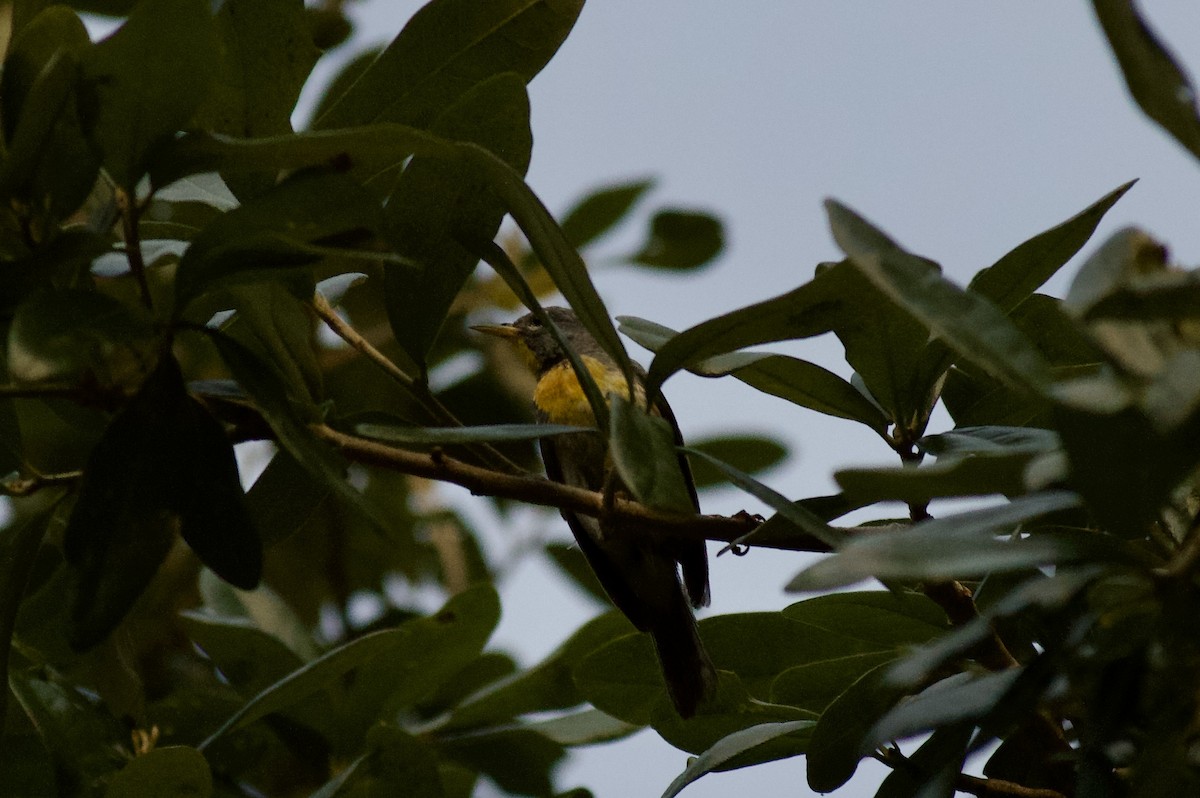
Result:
pixel 170 248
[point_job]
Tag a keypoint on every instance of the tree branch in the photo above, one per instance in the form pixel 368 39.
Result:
pixel 133 243
pixel 538 490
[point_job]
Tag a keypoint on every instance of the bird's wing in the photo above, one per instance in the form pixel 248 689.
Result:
pixel 691 554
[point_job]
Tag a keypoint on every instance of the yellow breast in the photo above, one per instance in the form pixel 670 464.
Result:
pixel 560 397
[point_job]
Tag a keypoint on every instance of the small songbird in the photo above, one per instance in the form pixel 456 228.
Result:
pixel 640 573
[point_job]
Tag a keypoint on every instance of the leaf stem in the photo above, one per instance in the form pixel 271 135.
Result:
pixel 130 213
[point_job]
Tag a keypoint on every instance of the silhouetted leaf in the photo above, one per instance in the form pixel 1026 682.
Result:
pixel 751 454
pixel 600 211
pixel 681 240
pixel 732 746
pixel 1155 79
pixel 836 744
pixel 1010 280
pixel 445 49
pixel 438 436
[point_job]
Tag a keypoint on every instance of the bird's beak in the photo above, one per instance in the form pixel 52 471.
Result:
pixel 499 330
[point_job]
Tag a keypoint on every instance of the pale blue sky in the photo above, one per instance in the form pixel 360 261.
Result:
pixel 960 128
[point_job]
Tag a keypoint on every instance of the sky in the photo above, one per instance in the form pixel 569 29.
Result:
pixel 961 129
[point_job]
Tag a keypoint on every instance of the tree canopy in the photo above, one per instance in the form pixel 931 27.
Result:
pixel 183 272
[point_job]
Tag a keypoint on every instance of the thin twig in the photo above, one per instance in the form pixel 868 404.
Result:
pixel 417 389
pixel 24 486
pixel 133 242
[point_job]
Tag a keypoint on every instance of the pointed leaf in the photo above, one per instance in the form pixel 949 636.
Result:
pixel 1156 81
pixel 446 48
pixel 969 324
pixel 438 436
pixel 142 84
pixel 836 745
pixel 751 454
pixel 681 240
pixel 1010 280
pixel 643 452
pixel 600 211
pixel 732 746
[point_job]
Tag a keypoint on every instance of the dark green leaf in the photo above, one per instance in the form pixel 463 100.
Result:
pixel 598 212
pixel 751 454
pixel 414 655
pixel 836 745
pixel 793 512
pixel 283 498
pixel 1155 79
pixel 142 84
pixel 959 546
pixel 214 520
pixel 272 231
pixel 82 738
pixel 49 163
pixel 76 335
pixel 401 763
pixel 137 485
pixel 548 685
pixel 1010 280
pixel 446 48
pixel 438 436
pixel 795 380
pixel 287 415
pixel 1168 296
pixel 971 475
pixel 681 240
pixel 587 727
pixel 972 326
pixel 961 697
pixel 174 770
pixel 18 546
pixel 440 209
pixel 251 659
pixel 266 54
pixel 990 440
pixel 275 321
pixel 732 746
pixel 643 452
pixel 934 767
pixel 519 760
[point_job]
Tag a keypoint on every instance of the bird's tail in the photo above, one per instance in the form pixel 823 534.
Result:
pixel 689 673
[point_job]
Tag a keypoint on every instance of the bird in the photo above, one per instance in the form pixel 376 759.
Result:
pixel 656 582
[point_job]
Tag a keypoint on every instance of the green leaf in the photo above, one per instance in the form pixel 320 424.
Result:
pixel 287 415
pixel 1155 79
pixel 364 151
pixel 83 739
pixel 266 53
pixel 546 686
pixel 643 452
pixel 262 607
pixel 934 767
pixel 49 162
pixel 681 240
pixel 990 439
pixel 794 513
pixel 588 727
pixel 76 335
pixel 174 771
pixel 836 745
pixel 414 656
pixel 958 698
pixel 445 49
pixel 977 331
pixel 402 763
pixel 798 381
pixel 959 546
pixel 142 84
pixel 440 436
pixel 274 320
pixel 162 461
pixel 1166 296
pixel 600 211
pixel 972 475
pixel 18 547
pixel 273 231
pixel 249 658
pixel 520 761
pixel 1013 278
pixel 440 208
pixel 751 454
pixel 733 746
